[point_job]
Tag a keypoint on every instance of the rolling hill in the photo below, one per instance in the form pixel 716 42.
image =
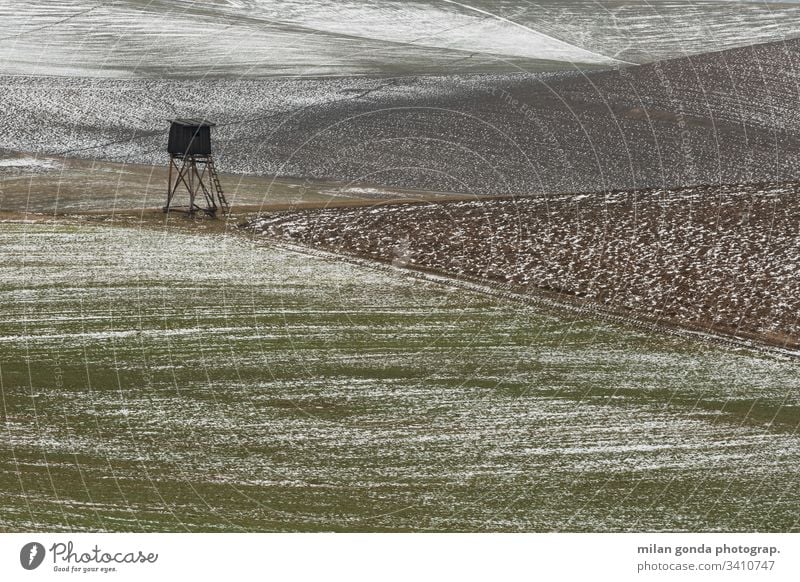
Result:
pixel 723 117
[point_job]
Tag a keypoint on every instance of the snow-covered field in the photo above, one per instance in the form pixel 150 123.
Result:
pixel 729 117
pixel 148 385
pixel 713 258
pixel 242 38
pixel 155 380
pixel 26 166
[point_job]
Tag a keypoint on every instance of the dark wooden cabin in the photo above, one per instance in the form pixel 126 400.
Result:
pixel 190 137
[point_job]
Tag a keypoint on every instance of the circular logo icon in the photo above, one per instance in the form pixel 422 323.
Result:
pixel 31 556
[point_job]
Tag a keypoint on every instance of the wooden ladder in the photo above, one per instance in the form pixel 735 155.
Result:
pixel 212 170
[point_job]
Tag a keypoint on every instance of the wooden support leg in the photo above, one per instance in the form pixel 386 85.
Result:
pixel 192 187
pixel 170 187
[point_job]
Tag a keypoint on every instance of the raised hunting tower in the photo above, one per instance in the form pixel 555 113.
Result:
pixel 191 167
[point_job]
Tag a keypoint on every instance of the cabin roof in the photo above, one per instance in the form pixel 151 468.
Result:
pixel 190 122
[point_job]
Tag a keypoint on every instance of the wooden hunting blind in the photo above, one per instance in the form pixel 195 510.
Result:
pixel 191 166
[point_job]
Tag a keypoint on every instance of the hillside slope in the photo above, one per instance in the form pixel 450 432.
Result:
pixel 725 117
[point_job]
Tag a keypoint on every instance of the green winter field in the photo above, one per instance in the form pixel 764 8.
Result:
pixel 159 379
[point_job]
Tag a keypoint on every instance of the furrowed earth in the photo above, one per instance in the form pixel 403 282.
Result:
pixel 717 259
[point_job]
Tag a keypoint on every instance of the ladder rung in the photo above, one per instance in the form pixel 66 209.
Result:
pixel 217 185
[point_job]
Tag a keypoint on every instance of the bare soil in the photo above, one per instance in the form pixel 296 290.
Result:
pixel 722 259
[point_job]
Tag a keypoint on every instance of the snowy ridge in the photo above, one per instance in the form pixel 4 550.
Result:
pixel 185 38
